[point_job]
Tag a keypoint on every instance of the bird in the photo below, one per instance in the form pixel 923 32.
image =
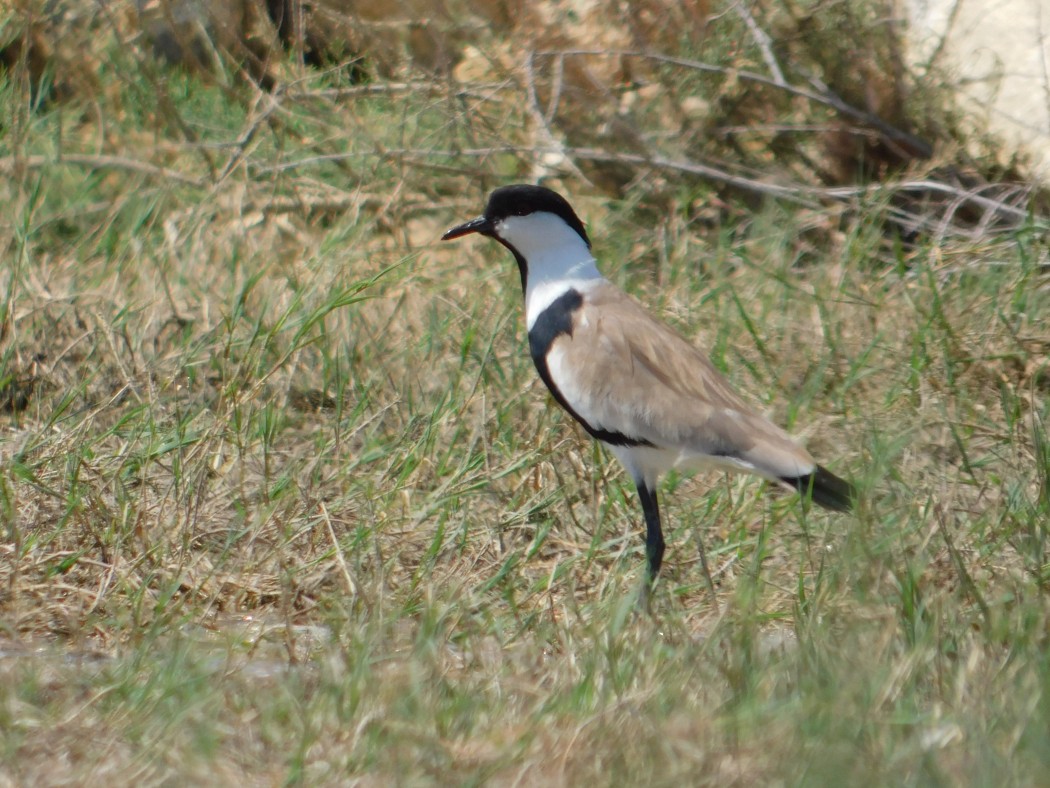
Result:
pixel 632 382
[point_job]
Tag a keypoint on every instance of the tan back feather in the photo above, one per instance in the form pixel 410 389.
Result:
pixel 642 378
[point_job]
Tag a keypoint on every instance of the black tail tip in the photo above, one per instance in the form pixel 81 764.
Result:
pixel 826 489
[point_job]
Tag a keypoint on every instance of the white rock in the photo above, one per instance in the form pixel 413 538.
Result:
pixel 998 52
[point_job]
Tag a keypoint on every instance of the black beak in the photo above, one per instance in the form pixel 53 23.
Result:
pixel 480 225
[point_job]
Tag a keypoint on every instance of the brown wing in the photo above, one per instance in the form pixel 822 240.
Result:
pixel 623 371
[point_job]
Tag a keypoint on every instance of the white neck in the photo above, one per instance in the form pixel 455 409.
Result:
pixel 556 256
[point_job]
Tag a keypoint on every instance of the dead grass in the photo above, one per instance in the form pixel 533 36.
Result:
pixel 283 500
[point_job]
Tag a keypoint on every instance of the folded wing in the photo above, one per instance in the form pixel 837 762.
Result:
pixel 623 372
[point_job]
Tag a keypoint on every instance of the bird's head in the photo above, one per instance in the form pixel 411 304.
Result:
pixel 522 217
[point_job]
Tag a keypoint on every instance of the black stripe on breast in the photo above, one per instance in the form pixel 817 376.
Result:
pixel 552 322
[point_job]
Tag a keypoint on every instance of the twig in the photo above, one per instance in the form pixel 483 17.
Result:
pixel 557 83
pixel 241 146
pixel 821 95
pixel 960 568
pixel 949 24
pixel 373 89
pixel 708 579
pixel 98 162
pixel 802 194
pixel 789 193
pixel 351 586
pixel 763 42
pixel 970 195
pixel 546 132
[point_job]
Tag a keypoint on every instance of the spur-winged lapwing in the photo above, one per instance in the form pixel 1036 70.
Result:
pixel 633 383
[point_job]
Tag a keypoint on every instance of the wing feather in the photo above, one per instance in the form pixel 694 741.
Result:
pixel 625 372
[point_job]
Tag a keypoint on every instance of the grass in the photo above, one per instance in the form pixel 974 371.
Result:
pixel 283 500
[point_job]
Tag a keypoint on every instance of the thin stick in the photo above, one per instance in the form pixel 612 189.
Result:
pixel 821 95
pixel 546 132
pixel 706 570
pixel 763 42
pixel 351 586
pixel 798 193
pixel 98 162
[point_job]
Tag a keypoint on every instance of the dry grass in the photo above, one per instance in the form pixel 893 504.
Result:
pixel 283 500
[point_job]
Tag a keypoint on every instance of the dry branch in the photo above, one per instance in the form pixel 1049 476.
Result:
pixel 1010 208
pixel 821 95
pixel 10 164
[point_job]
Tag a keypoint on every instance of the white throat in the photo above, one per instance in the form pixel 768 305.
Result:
pixel 556 256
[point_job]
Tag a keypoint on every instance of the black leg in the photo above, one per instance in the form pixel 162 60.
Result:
pixel 654 536
pixel 654 545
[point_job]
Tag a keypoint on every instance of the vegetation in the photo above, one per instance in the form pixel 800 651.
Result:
pixel 283 500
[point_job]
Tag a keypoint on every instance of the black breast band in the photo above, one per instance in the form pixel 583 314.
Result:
pixel 552 322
